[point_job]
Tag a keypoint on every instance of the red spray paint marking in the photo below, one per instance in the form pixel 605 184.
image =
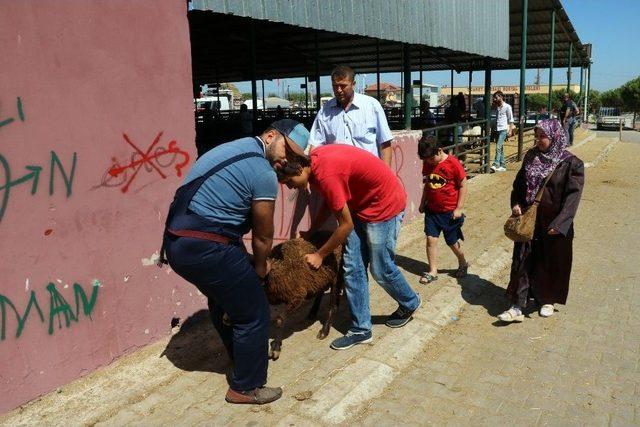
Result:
pixel 398 160
pixel 147 158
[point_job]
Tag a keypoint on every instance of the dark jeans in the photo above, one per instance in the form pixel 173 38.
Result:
pixel 569 127
pixel 223 273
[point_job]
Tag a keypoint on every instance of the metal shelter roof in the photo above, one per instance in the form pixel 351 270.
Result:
pixel 291 35
pixel 539 37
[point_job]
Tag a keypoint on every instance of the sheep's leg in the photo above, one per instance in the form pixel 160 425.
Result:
pixel 276 344
pixel 334 298
pixel 313 313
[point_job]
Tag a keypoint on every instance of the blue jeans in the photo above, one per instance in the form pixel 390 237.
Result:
pixel 570 125
pixel 223 273
pixel 499 160
pixel 374 244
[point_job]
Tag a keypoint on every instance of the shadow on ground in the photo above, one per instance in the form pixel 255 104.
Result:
pixel 198 347
pixel 474 289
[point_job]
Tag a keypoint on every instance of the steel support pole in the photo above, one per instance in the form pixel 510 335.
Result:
pixel 378 69
pixel 408 93
pixel 421 82
pixel 306 95
pixel 264 99
pixel 581 82
pixel 523 66
pixel 487 114
pixel 469 101
pixel 569 68
pixel 450 99
pixel 254 86
pixel 317 74
pixel 551 57
pixel 586 94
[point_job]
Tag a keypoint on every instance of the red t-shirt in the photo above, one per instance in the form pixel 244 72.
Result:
pixel 348 175
pixel 442 184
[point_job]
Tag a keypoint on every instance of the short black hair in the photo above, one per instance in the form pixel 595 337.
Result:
pixel 428 146
pixel 342 71
pixel 499 93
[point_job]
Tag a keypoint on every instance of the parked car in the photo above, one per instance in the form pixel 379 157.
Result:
pixel 609 117
pixel 533 119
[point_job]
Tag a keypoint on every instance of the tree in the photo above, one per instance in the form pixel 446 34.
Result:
pixel 233 88
pixel 630 94
pixel 611 98
pixel 536 101
pixel 594 101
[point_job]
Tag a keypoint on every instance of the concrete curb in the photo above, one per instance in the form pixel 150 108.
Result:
pixel 602 155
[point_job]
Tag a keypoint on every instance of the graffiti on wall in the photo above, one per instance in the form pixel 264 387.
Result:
pixel 60 312
pixel 32 173
pixel 32 177
pixel 155 160
pixel 19 110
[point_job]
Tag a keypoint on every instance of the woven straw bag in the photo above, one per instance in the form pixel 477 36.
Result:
pixel 520 228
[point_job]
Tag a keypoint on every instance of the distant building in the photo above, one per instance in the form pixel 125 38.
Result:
pixel 430 93
pixel 511 92
pixel 390 94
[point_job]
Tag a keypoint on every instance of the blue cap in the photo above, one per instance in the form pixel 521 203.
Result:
pixel 295 133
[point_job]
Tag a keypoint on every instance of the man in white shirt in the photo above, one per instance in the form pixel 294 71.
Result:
pixel 504 128
pixel 352 118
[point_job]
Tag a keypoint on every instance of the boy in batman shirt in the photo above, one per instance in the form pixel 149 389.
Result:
pixel 443 196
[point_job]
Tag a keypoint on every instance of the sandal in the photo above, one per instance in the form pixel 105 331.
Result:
pixel 462 271
pixel 428 278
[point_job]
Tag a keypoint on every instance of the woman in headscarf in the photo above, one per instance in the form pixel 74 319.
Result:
pixel 541 268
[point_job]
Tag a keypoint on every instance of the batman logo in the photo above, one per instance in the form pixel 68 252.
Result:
pixel 436 181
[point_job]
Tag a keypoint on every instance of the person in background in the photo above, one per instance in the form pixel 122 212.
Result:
pixel 461 104
pixel 541 268
pixel 246 120
pixel 568 113
pixel 427 118
pixel 443 197
pixel 504 129
pixel 352 118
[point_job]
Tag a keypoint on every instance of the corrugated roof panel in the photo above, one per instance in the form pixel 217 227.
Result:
pixel 313 13
pixel 474 26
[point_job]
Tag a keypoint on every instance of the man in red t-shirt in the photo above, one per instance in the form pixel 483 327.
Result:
pixel 368 202
pixel 445 190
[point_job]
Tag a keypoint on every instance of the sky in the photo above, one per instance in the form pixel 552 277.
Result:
pixel 612 26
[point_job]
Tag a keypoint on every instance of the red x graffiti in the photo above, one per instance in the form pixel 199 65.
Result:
pixel 147 158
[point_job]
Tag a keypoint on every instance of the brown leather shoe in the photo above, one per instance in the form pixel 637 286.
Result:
pixel 257 396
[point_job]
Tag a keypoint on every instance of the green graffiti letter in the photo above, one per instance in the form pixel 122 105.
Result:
pixel 59 306
pixel 4 301
pixel 87 305
pixel 68 180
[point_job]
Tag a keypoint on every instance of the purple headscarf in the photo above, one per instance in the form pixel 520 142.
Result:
pixel 537 165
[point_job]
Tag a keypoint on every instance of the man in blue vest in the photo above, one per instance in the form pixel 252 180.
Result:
pixel 230 191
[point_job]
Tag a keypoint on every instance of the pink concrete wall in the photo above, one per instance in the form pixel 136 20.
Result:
pixel 96 132
pixel 76 77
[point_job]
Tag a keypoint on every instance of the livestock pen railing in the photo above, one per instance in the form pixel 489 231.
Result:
pixel 468 141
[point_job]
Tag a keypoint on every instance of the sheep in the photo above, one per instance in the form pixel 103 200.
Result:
pixel 291 281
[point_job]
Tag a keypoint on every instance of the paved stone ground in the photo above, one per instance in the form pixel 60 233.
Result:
pixel 579 367
pixel 181 380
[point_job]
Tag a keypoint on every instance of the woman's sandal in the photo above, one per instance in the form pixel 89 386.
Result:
pixel 428 278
